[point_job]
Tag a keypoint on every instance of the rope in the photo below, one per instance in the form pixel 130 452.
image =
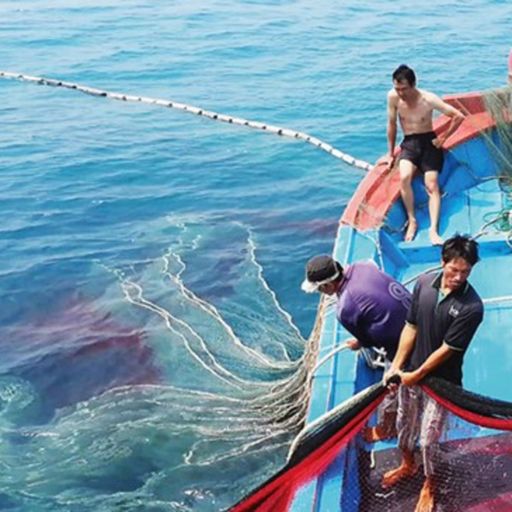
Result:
pixel 277 130
pixel 502 219
pixel 326 358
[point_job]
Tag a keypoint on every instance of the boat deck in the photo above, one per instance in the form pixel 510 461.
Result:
pixel 466 208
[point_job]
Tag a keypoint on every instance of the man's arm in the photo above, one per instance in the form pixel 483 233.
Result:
pixel 456 118
pixel 405 346
pixel 433 361
pixel 391 127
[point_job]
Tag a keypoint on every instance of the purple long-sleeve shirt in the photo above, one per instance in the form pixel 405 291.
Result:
pixel 372 306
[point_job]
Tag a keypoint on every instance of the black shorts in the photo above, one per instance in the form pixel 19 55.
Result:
pixel 418 149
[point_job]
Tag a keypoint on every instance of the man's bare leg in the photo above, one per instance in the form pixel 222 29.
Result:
pixel 379 433
pixel 385 428
pixel 407 170
pixel 426 499
pixel 407 468
pixel 434 205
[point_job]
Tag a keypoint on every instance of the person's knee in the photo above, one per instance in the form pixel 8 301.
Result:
pixel 407 170
pixel 432 187
pixel 406 184
pixel 406 177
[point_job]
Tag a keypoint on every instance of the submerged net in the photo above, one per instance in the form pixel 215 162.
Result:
pixel 471 460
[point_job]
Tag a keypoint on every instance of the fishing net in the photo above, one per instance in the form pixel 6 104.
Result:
pixel 498 104
pixel 471 459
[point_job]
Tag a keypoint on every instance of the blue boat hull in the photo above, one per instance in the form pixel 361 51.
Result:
pixel 474 201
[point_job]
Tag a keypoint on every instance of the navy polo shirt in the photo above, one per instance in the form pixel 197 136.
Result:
pixel 372 306
pixel 452 319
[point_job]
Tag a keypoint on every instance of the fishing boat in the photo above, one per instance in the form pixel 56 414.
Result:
pixel 330 467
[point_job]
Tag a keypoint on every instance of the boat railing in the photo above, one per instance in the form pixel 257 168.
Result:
pixel 497 299
pixel 374 357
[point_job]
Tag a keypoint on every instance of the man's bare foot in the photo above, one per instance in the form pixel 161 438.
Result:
pixel 392 477
pixel 378 433
pixel 435 239
pixel 410 233
pixel 426 499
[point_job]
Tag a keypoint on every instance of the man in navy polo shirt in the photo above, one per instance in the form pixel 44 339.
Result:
pixel 444 315
pixel 372 306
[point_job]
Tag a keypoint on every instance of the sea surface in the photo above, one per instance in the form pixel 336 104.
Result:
pixel 152 325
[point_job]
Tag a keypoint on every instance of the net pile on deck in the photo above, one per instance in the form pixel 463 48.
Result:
pixel 472 466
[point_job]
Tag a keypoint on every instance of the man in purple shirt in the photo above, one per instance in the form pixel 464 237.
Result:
pixel 371 305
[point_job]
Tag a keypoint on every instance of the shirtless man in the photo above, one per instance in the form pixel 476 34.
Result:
pixel 421 149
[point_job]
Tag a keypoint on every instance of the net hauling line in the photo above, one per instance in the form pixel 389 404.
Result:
pixel 277 130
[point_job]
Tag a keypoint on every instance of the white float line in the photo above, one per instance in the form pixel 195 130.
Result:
pixel 277 130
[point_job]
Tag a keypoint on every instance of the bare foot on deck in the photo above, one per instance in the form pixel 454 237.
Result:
pixel 410 233
pixel 426 499
pixel 435 239
pixel 392 477
pixel 378 433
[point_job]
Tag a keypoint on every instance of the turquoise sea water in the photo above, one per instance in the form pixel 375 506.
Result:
pixel 150 260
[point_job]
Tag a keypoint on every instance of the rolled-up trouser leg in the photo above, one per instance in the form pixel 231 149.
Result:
pixel 432 424
pixel 387 413
pixel 408 422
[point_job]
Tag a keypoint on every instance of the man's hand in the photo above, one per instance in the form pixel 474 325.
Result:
pixel 390 161
pixel 410 378
pixel 437 142
pixel 388 376
pixel 352 344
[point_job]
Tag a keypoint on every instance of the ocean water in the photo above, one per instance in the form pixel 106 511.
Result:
pixel 152 324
